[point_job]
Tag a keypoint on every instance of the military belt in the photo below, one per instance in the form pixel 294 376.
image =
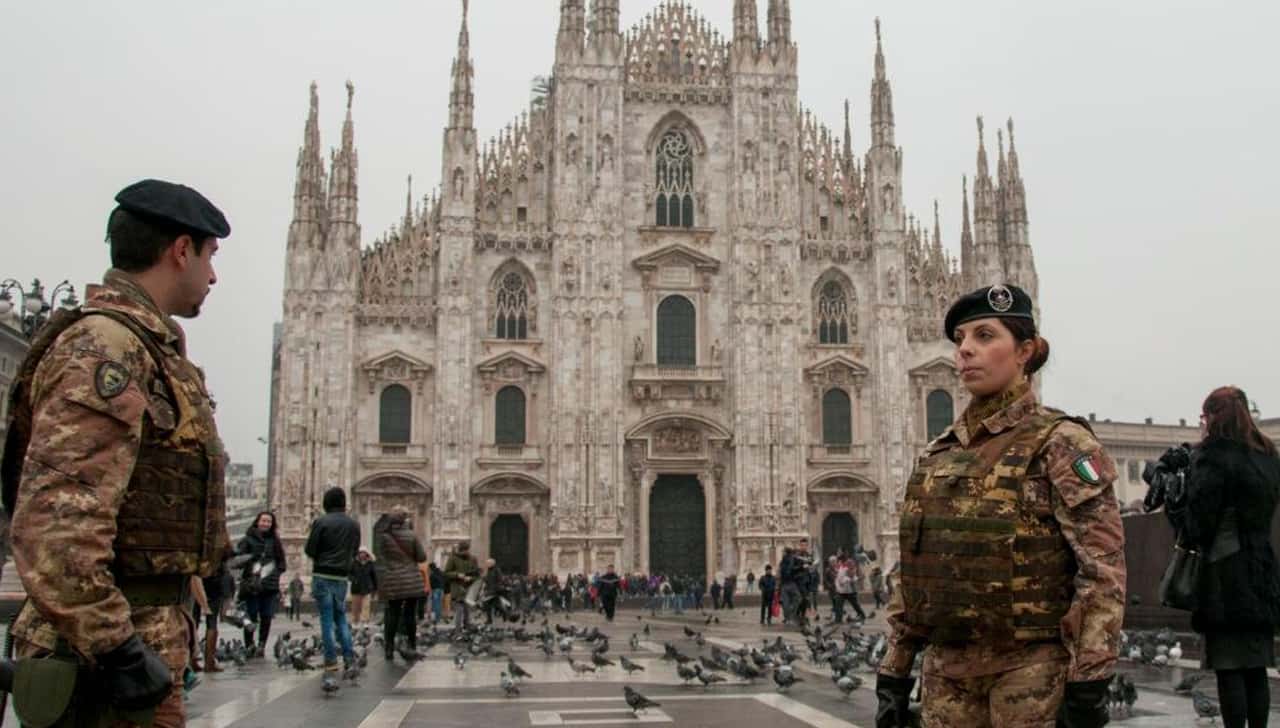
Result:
pixel 155 591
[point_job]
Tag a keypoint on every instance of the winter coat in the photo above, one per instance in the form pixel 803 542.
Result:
pixel 332 544
pixel 767 584
pixel 1239 592
pixel 264 548
pixel 458 566
pixel 609 585
pixel 436 576
pixel 397 553
pixel 364 578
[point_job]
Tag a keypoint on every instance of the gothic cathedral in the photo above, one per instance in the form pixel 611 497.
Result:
pixel 665 319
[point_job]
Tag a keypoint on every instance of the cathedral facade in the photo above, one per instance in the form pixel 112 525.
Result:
pixel 665 319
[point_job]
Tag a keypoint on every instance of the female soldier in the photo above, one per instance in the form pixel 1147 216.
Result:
pixel 1012 549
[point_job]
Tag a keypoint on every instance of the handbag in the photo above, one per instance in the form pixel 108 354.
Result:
pixel 1180 585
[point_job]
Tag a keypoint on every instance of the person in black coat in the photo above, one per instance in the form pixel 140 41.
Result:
pixel 260 579
pixel 609 591
pixel 1225 511
pixel 767 584
pixel 364 583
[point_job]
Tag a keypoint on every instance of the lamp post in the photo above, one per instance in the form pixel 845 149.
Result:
pixel 32 309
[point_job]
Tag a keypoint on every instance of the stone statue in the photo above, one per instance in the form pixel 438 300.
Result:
pixel 639 348
pixel 715 351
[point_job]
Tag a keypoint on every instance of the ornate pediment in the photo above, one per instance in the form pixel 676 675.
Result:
pixel 395 366
pixel 392 484
pixel 677 266
pixel 509 484
pixel 935 367
pixel 837 369
pixel 841 483
pixel 509 367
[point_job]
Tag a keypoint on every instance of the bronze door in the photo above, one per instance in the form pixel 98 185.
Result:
pixel 509 543
pixel 839 531
pixel 677 527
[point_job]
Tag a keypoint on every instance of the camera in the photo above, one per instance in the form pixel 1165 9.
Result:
pixel 1167 478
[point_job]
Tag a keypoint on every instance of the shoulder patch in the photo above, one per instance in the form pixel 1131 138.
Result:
pixel 110 379
pixel 1087 469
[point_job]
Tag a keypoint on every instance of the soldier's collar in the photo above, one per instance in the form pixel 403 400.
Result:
pixel 119 291
pixel 1013 413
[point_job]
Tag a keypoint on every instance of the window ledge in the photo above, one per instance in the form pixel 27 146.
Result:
pixel 394 453
pixel 855 454
pixel 508 456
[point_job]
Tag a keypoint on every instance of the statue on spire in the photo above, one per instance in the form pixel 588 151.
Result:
pixel 351 91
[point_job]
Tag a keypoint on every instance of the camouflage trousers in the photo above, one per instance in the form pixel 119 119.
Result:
pixel 1023 697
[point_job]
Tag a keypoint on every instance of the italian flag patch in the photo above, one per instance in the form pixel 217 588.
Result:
pixel 1087 469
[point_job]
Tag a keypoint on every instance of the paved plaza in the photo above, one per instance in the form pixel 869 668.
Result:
pixel 435 693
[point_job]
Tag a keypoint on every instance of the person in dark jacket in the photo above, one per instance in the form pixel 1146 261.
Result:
pixel 436 580
pixel 730 587
pixel 296 590
pixel 260 579
pixel 609 591
pixel 767 585
pixel 332 546
pixel 494 590
pixel 716 591
pixel 402 576
pixel 460 570
pixel 1230 499
pixel 364 584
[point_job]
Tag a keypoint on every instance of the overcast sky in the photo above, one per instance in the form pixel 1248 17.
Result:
pixel 1147 133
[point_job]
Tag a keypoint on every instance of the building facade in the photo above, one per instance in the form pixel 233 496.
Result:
pixel 665 319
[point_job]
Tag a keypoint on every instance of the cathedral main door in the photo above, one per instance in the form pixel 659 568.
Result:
pixel 509 543
pixel 677 527
pixel 839 531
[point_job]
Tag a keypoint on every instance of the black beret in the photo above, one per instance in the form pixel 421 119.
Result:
pixel 999 301
pixel 176 204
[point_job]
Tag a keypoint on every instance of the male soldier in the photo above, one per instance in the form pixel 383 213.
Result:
pixel 114 470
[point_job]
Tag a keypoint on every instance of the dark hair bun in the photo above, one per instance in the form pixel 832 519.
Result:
pixel 1038 357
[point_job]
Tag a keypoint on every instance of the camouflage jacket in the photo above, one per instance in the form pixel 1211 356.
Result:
pixel 1083 502
pixel 95 399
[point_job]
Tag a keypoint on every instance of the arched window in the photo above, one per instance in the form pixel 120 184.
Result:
pixel 941 412
pixel 834 318
pixel 394 415
pixel 509 416
pixel 837 418
pixel 512 307
pixel 674 184
pixel 677 332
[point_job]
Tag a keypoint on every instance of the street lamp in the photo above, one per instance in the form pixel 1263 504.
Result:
pixel 32 309
pixel 1254 412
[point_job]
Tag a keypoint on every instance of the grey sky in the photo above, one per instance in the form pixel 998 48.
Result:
pixel 1146 131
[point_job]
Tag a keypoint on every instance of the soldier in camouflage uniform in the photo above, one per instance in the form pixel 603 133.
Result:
pixel 114 470
pixel 1012 548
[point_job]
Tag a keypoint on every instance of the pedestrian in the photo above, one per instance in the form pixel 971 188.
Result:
pixel 730 586
pixel 260 578
pixel 767 585
pixel 460 571
pixel 847 570
pixel 1011 488
pixel 716 591
pixel 113 468
pixel 1225 511
pixel 295 597
pixel 401 565
pixel 364 586
pixel 435 578
pixel 609 592
pixel 789 585
pixel 332 544
pixel 751 581
pixel 877 586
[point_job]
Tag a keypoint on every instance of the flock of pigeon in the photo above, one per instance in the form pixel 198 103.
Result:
pixel 1158 648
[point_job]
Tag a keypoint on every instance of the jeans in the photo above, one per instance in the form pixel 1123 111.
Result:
pixel 437 604
pixel 331 602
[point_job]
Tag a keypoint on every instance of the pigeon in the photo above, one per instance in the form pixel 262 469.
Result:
pixel 600 660
pixel 330 684
pixel 784 677
pixel 635 643
pixel 516 671
pixel 1175 652
pixel 460 660
pixel 307 625
pixel 706 677
pixel 688 632
pixel 1205 708
pixel 686 673
pixel 300 663
pixel 628 665
pixel 581 668
pixel 636 701
pixel 509 687
pixel 1188 683
pixel 848 683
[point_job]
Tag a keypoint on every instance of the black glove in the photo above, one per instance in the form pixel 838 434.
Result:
pixel 1177 458
pixel 1084 705
pixel 133 676
pixel 893 697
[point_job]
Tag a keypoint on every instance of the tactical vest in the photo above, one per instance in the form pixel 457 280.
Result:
pixel 978 560
pixel 172 520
